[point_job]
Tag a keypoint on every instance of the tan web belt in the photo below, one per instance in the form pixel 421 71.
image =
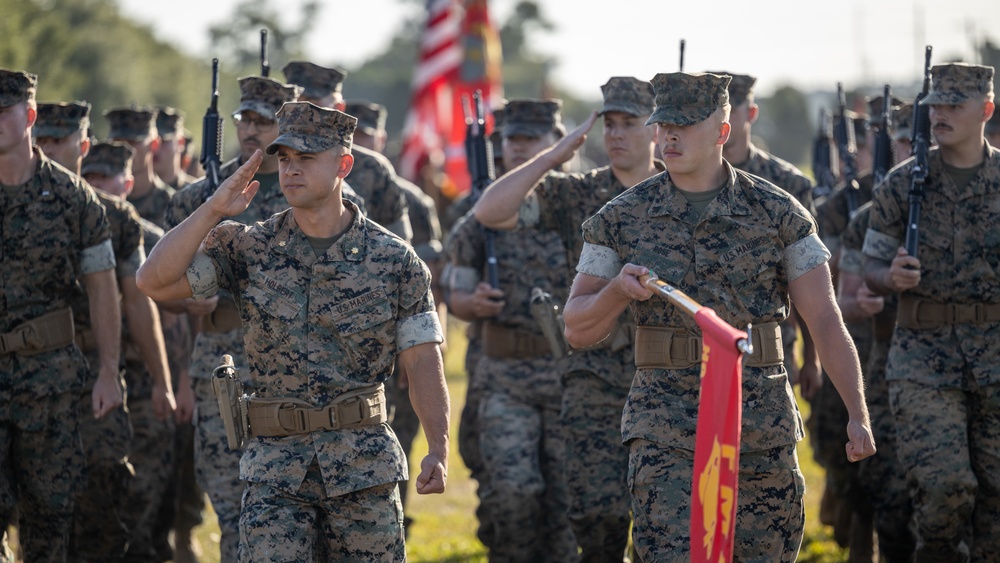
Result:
pixel 503 342
pixel 677 348
pixel 285 416
pixel 919 314
pixel 48 332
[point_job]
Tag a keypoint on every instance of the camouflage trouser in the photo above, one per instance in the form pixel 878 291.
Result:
pixel 100 532
pixel 882 476
pixel 404 421
pixel 468 448
pixel 596 465
pixel 41 461
pixel 152 457
pixel 523 448
pixel 769 516
pixel 183 500
pixel 949 441
pixel 217 468
pixel 362 526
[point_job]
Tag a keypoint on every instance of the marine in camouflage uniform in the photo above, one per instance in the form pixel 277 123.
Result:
pixel 221 331
pixel 595 382
pixel 146 373
pixel 137 127
pixel 372 177
pixel 55 232
pixel 99 524
pixel 944 362
pixel 329 300
pixel 740 245
pixel 426 241
pixel 882 478
pixel 521 440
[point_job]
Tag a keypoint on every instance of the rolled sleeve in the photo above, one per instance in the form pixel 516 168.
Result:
pixel 851 261
pixel 202 277
pixel 599 261
pixel 529 215
pixel 804 255
pixel 880 245
pixel 418 329
pixel 97 258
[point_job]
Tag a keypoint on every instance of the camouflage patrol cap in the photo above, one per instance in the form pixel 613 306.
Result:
pixel 902 121
pixel 265 96
pixel 108 159
pixel 170 123
pixel 627 95
pixel 876 105
pixel 499 118
pixel 688 98
pixel 954 83
pixel 16 86
pixel 371 116
pixel 131 124
pixel 317 81
pixel 532 118
pixel 740 86
pixel 58 120
pixel 306 127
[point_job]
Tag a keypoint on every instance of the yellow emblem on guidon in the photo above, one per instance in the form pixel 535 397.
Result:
pixel 711 494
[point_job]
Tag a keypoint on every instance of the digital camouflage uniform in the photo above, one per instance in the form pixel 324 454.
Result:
pixel 882 477
pixel 944 369
pixel 54 231
pixel 216 466
pixel 595 382
pixel 375 181
pixel 318 327
pixel 521 442
pixel 738 258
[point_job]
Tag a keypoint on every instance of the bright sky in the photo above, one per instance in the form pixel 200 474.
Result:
pixel 802 42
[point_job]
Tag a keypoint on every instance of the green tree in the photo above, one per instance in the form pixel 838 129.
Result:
pixel 785 124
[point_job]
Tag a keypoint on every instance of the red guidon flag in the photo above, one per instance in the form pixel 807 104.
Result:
pixel 717 444
pixel 459 54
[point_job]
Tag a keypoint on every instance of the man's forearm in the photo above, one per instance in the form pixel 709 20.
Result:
pixel 105 319
pixel 498 207
pixel 877 276
pixel 429 395
pixel 591 317
pixel 840 361
pixel 144 330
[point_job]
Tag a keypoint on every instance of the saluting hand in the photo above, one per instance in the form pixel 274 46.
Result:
pixel 564 150
pixel 234 195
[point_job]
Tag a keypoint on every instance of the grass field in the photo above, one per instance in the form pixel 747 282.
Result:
pixel 444 528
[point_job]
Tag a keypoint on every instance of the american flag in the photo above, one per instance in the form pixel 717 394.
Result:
pixel 459 53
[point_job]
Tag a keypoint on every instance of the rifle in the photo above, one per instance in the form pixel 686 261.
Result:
pixel 211 134
pixel 265 67
pixel 884 154
pixel 921 145
pixel 824 158
pixel 843 132
pixel 479 154
pixel 682 55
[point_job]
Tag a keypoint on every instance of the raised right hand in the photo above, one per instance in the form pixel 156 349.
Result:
pixel 234 195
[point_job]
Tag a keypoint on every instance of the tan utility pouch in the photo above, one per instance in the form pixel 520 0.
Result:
pixel 920 314
pixel 676 348
pixel 48 332
pixel 232 403
pixel 503 342
pixel 224 318
pixel 285 416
